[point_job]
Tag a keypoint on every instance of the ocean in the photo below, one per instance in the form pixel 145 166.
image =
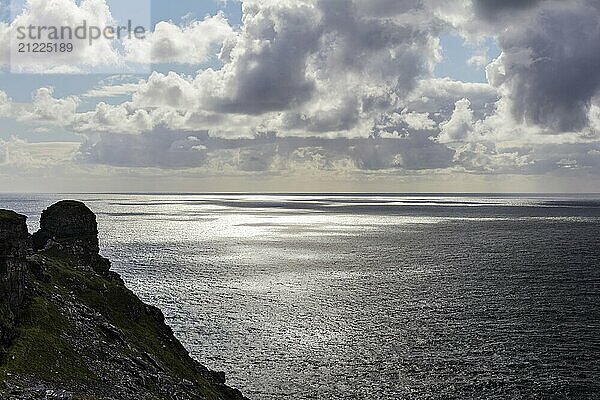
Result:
pixel 367 296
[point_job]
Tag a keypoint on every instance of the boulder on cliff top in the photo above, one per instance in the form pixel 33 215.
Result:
pixel 71 226
pixel 67 219
pixel 69 223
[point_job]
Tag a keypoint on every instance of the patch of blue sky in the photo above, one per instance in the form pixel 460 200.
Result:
pixel 21 87
pixel 5 11
pixel 456 55
pixel 156 10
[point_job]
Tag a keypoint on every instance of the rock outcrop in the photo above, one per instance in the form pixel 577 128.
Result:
pixel 14 244
pixel 72 330
pixel 70 225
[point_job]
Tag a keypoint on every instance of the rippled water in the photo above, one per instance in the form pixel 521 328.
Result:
pixel 368 297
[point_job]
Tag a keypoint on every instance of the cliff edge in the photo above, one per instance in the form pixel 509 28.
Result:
pixel 70 329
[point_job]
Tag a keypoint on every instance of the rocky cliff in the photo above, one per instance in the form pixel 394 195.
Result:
pixel 14 243
pixel 70 329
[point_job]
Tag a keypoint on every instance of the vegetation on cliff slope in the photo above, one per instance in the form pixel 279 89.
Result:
pixel 81 334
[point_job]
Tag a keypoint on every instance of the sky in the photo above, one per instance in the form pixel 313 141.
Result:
pixel 305 96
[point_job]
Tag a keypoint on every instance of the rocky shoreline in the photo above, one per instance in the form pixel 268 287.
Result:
pixel 70 329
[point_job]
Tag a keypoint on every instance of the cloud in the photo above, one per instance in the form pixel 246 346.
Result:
pixel 117 90
pixel 194 43
pixel 265 153
pixel 548 67
pixel 169 91
pixel 5 105
pixel 324 67
pixel 479 59
pixel 265 69
pixel 324 115
pixel 20 154
pixel 439 96
pixel 45 108
pixel 491 8
pixel 112 118
pixel 58 13
pixel 291 55
pixel 486 158
pixel 4 43
pixel 3 153
pixel 432 104
pixel 461 124
pixel 594 119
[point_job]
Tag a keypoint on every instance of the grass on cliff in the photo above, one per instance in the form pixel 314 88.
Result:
pixel 7 320
pixel 9 215
pixel 43 349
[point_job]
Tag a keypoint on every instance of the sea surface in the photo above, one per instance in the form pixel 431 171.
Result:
pixel 367 296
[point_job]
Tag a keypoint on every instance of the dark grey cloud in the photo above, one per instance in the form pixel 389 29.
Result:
pixel 159 149
pixel 272 76
pixel 551 66
pixel 344 117
pixel 383 47
pixel 387 8
pixel 267 154
pixel 290 53
pixel 412 153
pixel 264 152
pixel 491 8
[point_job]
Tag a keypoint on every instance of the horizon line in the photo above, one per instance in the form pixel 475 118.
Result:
pixel 234 193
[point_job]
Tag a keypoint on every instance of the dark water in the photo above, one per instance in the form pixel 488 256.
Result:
pixel 369 297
